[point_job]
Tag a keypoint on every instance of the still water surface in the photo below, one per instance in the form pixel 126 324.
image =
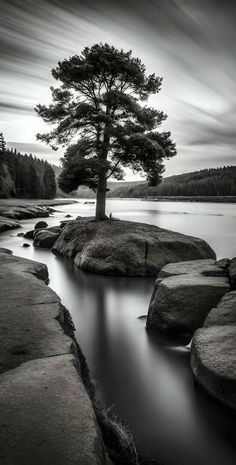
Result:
pixel 146 379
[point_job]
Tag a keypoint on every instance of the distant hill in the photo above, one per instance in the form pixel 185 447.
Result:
pixel 207 182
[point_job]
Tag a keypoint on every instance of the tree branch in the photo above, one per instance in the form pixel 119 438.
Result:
pixel 113 169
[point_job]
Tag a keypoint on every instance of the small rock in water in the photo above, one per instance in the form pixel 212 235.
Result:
pixel 29 234
pixel 26 245
pixel 20 234
pixel 68 216
pixel 41 224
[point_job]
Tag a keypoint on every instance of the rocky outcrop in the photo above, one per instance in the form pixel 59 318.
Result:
pixel 126 248
pixel 48 409
pixel 213 352
pixel 180 304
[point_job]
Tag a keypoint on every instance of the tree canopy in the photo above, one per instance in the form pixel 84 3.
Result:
pixel 99 112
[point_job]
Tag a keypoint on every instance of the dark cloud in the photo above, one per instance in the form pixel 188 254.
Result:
pixel 191 43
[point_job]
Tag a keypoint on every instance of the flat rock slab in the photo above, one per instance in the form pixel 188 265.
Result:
pixel 47 417
pixel 30 331
pixel 20 265
pixel 180 304
pixel 126 248
pixel 224 313
pixel 207 267
pixel 213 362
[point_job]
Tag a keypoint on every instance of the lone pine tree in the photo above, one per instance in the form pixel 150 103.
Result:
pixel 100 100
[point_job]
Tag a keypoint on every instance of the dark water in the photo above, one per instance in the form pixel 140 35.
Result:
pixel 146 379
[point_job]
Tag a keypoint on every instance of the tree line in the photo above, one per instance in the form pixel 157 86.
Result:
pixel 25 176
pixel 207 182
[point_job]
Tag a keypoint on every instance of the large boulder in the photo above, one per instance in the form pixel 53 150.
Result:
pixel 45 238
pixel 126 248
pixel 213 355
pixel 180 304
pixel 46 414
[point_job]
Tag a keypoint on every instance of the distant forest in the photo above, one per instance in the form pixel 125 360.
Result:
pixel 207 182
pixel 25 176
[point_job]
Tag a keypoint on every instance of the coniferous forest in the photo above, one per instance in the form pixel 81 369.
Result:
pixel 213 182
pixel 25 176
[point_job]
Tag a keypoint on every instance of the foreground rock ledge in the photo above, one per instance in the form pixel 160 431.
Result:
pixel 117 247
pixel 46 414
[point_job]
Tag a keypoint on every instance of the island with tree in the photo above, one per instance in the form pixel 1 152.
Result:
pixel 100 100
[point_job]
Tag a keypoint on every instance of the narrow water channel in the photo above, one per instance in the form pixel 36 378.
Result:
pixel 145 379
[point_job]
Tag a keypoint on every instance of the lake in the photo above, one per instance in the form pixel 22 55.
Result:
pixel 144 378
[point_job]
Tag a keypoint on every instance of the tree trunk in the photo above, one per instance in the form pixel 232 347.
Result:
pixel 101 196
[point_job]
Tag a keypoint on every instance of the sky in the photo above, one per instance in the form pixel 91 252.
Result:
pixel 190 43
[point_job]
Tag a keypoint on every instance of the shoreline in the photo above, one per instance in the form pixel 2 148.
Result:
pixel 204 199
pixel 41 358
pixel 12 211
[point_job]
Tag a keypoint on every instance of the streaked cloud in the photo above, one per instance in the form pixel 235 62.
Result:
pixel 191 43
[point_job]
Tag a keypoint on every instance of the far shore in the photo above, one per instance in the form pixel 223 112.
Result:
pixel 67 201
pixel 210 199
